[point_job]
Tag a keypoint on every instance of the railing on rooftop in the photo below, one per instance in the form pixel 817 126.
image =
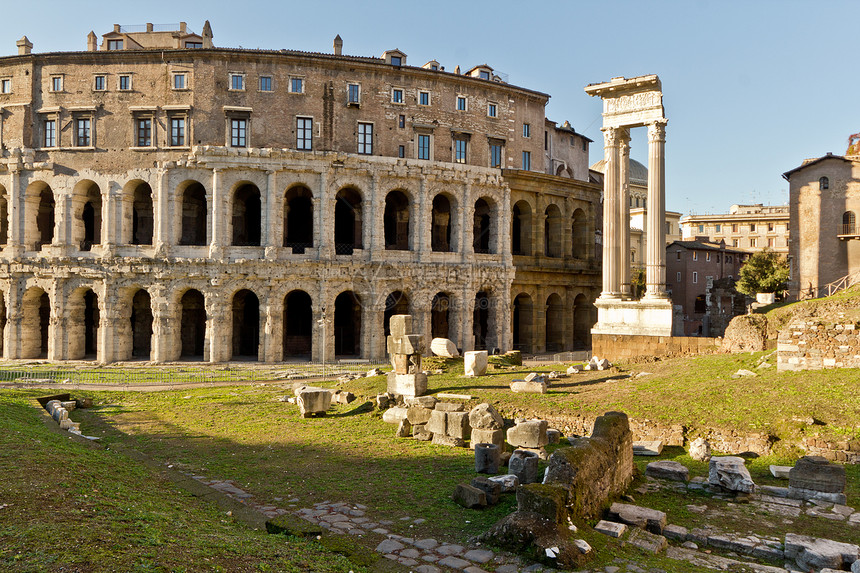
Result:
pixel 136 28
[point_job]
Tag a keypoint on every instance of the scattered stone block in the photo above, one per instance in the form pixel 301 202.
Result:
pixel 582 545
pixel 817 553
pixel 816 474
pixel 382 401
pixel 522 387
pixel 419 432
pixel 475 363
pixel 572 370
pixel 531 434
pixel 438 422
pixel 407 384
pixel 496 437
pixel 493 490
pixel 675 532
pixel 636 516
pixel 549 501
pixel 373 372
pixel 485 417
pixel 743 372
pixel 313 400
pixel 524 465
pixel 700 450
pixel 404 429
pixel 428 402
pixel 780 472
pixel 647 448
pixel 449 407
pixel 514 357
pixel 444 348
pixel 342 397
pixel 469 496
pixel 647 542
pixel 667 469
pixel 487 458
pixel 452 396
pixel 418 414
pixel 610 528
pixel 553 436
pixel 442 440
pixel 458 424
pixel 394 415
pixel 508 482
pixel 728 473
pixel 533 376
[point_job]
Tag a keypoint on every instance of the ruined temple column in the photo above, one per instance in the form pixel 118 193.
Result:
pixel 611 214
pixel 162 213
pixel 272 340
pixel 465 318
pixel 166 341
pixel 624 223
pixel 12 334
pixel 108 321
pixel 58 324
pixel 216 347
pixel 655 261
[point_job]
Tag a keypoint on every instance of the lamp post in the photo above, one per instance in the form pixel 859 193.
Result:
pixel 321 323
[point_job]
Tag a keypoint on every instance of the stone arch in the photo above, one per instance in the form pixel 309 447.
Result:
pixel 246 215
pixel 298 219
pixel 298 324
pixel 347 221
pixel 138 213
pixel 192 333
pixel 522 322
pixel 40 207
pixel 442 221
pixel 483 235
pixel 396 221
pixel 86 215
pixel 521 228
pixel 580 234
pixel 552 231
pixel 440 315
pixel 35 323
pixel 554 323
pixel 193 212
pixel 4 216
pixel 396 302
pixel 347 324
pixel 246 325
pixel 849 223
pixel 141 324
pixel 83 324
pixel 583 319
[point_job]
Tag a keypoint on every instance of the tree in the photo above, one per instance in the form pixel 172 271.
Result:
pixel 765 271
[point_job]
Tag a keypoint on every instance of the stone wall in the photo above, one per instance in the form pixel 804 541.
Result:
pixel 815 344
pixel 615 347
pixel 846 451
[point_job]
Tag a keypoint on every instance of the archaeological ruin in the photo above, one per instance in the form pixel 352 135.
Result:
pixel 163 199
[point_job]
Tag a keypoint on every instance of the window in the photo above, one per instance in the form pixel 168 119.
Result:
pixel 237 82
pixel 461 146
pixel 401 151
pixel 461 103
pixel 734 227
pixel 701 228
pixel 495 154
pixel 396 60
pixel 304 133
pixel 179 81
pixel 353 94
pixel 401 121
pixel 177 131
pixel 265 83
pixel 125 83
pixel 238 132
pixel 527 160
pixel 824 183
pixel 50 133
pixel 752 228
pixel 57 83
pixel 735 242
pixel 728 258
pixel 144 132
pixel 492 110
pixel 99 84
pixel 396 95
pixel 849 222
pixel 297 85
pixel 695 255
pixel 6 86
pixel 770 227
pixel 365 138
pixel 527 130
pixel 194 45
pixel 718 228
pixel 678 276
pixel 770 242
pixel 83 132
pixel 484 74
pixel 707 256
pixel 677 255
pixel 753 242
pixel 114 44
pixel 695 277
pixel 423 98
pixel 423 146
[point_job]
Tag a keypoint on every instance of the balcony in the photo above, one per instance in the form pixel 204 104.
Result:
pixel 849 231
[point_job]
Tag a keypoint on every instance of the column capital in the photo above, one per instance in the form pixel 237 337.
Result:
pixel 657 130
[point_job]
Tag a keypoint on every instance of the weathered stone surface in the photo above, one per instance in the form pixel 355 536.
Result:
pixel 407 384
pixel 428 402
pixel 389 546
pixel 746 333
pixel 521 387
pixel 700 450
pixel 450 407
pixel 458 425
pixel 547 500
pixel 532 535
pixel 647 542
pixel 475 363
pixel 572 370
pixel 485 417
pixel 647 448
pixel 404 429
pixel 419 432
pixel 394 415
pixel 496 437
pixel 730 474
pixel 817 474
pixel 675 532
pixel 442 440
pixel 667 469
pixel 437 423
pixel 313 400
pixel 400 324
pixel 781 472
pixel 487 458
pixel 444 348
pixel 636 516
pixel 493 490
pixel 553 436
pixel 383 401
pixel 508 482
pixel 342 397
pixel 418 415
pixel 469 496
pixel 610 528
pixel 531 434
pixel 816 553
pixel 524 465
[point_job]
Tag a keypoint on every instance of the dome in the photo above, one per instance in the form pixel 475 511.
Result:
pixel 638 172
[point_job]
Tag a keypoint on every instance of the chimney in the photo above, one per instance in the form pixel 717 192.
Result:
pixel 116 28
pixel 25 46
pixel 149 26
pixel 338 46
pixel 182 27
pixel 207 35
pixel 92 42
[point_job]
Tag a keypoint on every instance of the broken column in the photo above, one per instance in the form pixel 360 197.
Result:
pixel 405 349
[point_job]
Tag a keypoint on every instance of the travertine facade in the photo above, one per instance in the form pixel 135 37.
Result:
pixel 160 199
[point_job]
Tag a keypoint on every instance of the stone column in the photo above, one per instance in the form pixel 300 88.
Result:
pixel 166 341
pixel 108 321
pixel 324 205
pixel 162 214
pixel 611 214
pixel 624 215
pixel 503 227
pixel 58 324
pixel 15 237
pixel 466 311
pixel 467 227
pixel 655 261
pixel 422 218
pixel 372 229
pixel 219 217
pixel 267 211
pixel 12 335
pixel 219 322
pixel 272 321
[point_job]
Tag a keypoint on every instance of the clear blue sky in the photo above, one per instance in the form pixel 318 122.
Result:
pixel 751 88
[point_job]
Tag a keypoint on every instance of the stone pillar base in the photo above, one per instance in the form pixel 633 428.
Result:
pixel 646 317
pixel 407 384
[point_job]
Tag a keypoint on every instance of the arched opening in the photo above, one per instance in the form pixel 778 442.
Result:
pixel 35 319
pixel 347 324
pixel 2 323
pixel 246 325
pixel 554 323
pixel 849 223
pixel 580 234
pixel 347 221
pixel 4 216
pixel 440 234
pixel 583 320
pixel 45 218
pixel 193 212
pixel 142 219
pixel 298 324
pixel 141 325
pixel 299 219
pixel 481 321
pixel 83 325
pixel 439 316
pixel 87 221
pixel 823 183
pixel 481 229
pixel 521 231
pixel 396 221
pixel 552 232
pixel 246 216
pixel 523 327
pixel 395 303
pixel 193 324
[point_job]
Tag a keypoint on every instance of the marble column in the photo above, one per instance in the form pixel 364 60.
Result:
pixel 624 215
pixel 655 261
pixel 611 212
